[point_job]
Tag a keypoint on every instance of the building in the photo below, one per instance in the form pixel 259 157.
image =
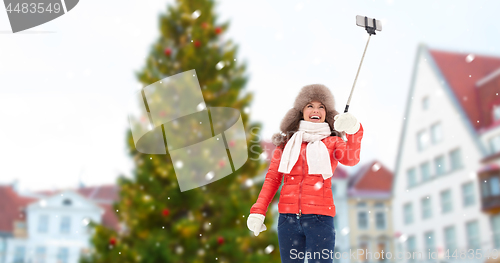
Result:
pixel 52 226
pixel 370 213
pixel 341 218
pixel 449 128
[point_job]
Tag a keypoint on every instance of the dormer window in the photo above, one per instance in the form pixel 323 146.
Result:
pixel 425 102
pixel 496 112
pixel 67 202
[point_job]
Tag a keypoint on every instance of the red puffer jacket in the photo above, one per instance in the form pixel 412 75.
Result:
pixel 304 193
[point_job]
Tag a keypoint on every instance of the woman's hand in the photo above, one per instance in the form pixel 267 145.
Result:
pixel 255 223
pixel 346 122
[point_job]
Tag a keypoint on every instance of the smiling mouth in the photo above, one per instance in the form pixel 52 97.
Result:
pixel 315 118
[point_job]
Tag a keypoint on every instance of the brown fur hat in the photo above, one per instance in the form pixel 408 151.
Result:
pixel 291 122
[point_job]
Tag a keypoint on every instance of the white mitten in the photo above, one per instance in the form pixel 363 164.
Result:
pixel 255 223
pixel 346 122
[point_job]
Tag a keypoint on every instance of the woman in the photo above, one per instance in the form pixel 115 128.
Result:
pixel 306 157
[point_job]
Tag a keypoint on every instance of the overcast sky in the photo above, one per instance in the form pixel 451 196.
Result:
pixel 64 84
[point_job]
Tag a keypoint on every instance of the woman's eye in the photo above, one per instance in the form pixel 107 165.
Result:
pixel 309 106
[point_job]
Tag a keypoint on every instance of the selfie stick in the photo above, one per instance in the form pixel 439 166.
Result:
pixel 376 25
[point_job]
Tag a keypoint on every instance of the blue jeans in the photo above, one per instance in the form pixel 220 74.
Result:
pixel 310 236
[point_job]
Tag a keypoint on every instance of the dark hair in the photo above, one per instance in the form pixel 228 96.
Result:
pixel 285 138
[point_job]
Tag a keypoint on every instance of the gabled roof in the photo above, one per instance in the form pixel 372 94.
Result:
pixel 474 80
pixel 372 179
pixel 12 208
pixel 468 94
pixel 100 192
pixel 107 192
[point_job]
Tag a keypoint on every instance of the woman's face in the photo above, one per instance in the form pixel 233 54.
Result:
pixel 312 109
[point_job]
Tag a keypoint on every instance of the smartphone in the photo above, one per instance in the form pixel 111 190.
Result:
pixel 360 21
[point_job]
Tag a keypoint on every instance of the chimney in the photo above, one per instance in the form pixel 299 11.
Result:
pixel 15 185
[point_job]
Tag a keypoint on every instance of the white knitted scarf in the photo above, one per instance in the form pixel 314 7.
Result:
pixel 317 155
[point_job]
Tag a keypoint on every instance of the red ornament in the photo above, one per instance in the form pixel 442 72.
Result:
pixel 168 51
pixel 197 43
pixel 218 30
pixel 232 143
pixel 112 241
pixel 222 163
pixel 204 25
pixel 220 240
pixel 165 212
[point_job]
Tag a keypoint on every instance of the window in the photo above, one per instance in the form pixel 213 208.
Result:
pixel 43 224
pixel 472 234
pixel 411 246
pixel 436 133
pixel 63 255
pixel 490 187
pixel 85 225
pixel 446 205
pixel 65 224
pixel 363 245
pixel 468 194
pixel 380 220
pixel 335 221
pixel 494 186
pixel 362 220
pixel 334 190
pixel 449 238
pixel 495 226
pixel 20 225
pixel 425 171
pixel 496 112
pixel 429 242
pixel 40 254
pixel 485 188
pixel 426 208
pixel 425 102
pixel 495 144
pixel 439 165
pixel 422 140
pixel 67 202
pixel 3 247
pixel 19 254
pixel 408 214
pixel 361 204
pixel 378 205
pixel 456 159
pixel 411 175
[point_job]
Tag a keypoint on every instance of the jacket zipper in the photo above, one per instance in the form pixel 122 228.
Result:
pixel 300 188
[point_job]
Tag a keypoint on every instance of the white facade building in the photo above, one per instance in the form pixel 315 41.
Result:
pixel 437 203
pixel 50 229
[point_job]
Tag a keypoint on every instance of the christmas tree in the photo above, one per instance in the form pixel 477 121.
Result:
pixel 205 224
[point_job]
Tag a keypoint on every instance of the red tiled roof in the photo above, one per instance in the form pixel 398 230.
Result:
pixel 101 192
pixel 96 193
pixel 462 76
pixel 12 207
pixel 372 177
